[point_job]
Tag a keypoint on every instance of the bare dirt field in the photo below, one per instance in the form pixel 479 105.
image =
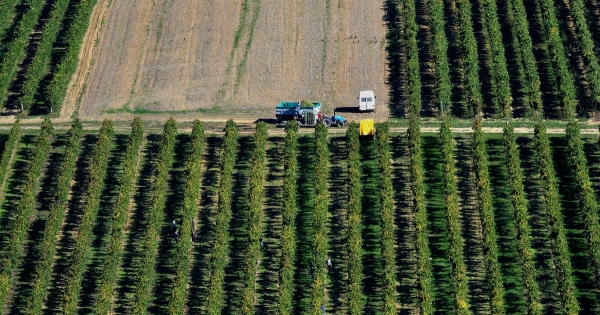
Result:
pixel 235 58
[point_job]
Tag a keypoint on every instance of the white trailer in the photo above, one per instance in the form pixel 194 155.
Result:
pixel 366 101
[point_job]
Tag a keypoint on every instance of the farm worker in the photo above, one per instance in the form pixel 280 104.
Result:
pixel 194 237
pixel 173 224
pixel 329 262
pixel 261 243
pixel 298 106
pixel 176 235
pixel 323 309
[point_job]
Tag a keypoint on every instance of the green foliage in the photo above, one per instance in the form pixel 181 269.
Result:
pixel 502 99
pixel 354 243
pixel 586 195
pixel 468 46
pixel 587 49
pixel 7 154
pixel 83 239
pixel 564 77
pixel 288 231
pixel 523 231
pixel 114 252
pixel 15 49
pixel 255 218
pixel 456 246
pixel 305 103
pixel 490 239
pixel 388 231
pixel 443 86
pixel 54 93
pixel 424 268
pixel 191 196
pixel 41 60
pixel 5 17
pixel 16 229
pixel 519 27
pixel 557 233
pixel 319 244
pixel 46 248
pixel 412 56
pixel 145 267
pixel 218 259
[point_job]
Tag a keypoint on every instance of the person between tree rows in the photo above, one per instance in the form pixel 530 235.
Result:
pixel 261 243
pixel 176 234
pixel 329 265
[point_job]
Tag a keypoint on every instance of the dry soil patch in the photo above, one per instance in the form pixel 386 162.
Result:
pixel 231 59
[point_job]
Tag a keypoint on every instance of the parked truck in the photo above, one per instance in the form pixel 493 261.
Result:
pixel 285 111
pixel 366 101
pixel 305 114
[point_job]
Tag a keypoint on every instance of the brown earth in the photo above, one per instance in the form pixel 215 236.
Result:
pixel 229 58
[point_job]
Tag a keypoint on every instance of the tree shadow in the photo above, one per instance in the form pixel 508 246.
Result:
pixel 505 227
pixel 165 267
pixel 548 85
pixel 14 90
pixel 404 220
pixel 575 228
pixel 371 233
pixel 471 227
pixel 35 232
pixel 396 56
pixel 70 223
pixel 513 62
pixel 438 235
pixel 338 195
pixel 141 198
pixel 15 178
pixel 540 235
pixel 101 231
pixel 208 198
pixel 304 229
pixel 238 228
pixel 269 273
pixel 58 51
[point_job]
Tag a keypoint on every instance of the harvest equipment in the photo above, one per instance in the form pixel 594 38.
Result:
pixel 367 128
pixel 285 111
pixel 305 114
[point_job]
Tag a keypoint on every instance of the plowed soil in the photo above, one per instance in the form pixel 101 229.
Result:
pixel 236 58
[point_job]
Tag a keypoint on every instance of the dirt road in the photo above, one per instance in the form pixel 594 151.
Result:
pixel 231 58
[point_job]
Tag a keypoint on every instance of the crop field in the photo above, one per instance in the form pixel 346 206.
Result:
pixel 217 60
pixel 411 222
pixel 230 59
pixel 499 58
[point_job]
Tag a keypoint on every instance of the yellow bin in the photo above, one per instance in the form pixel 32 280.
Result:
pixel 367 127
